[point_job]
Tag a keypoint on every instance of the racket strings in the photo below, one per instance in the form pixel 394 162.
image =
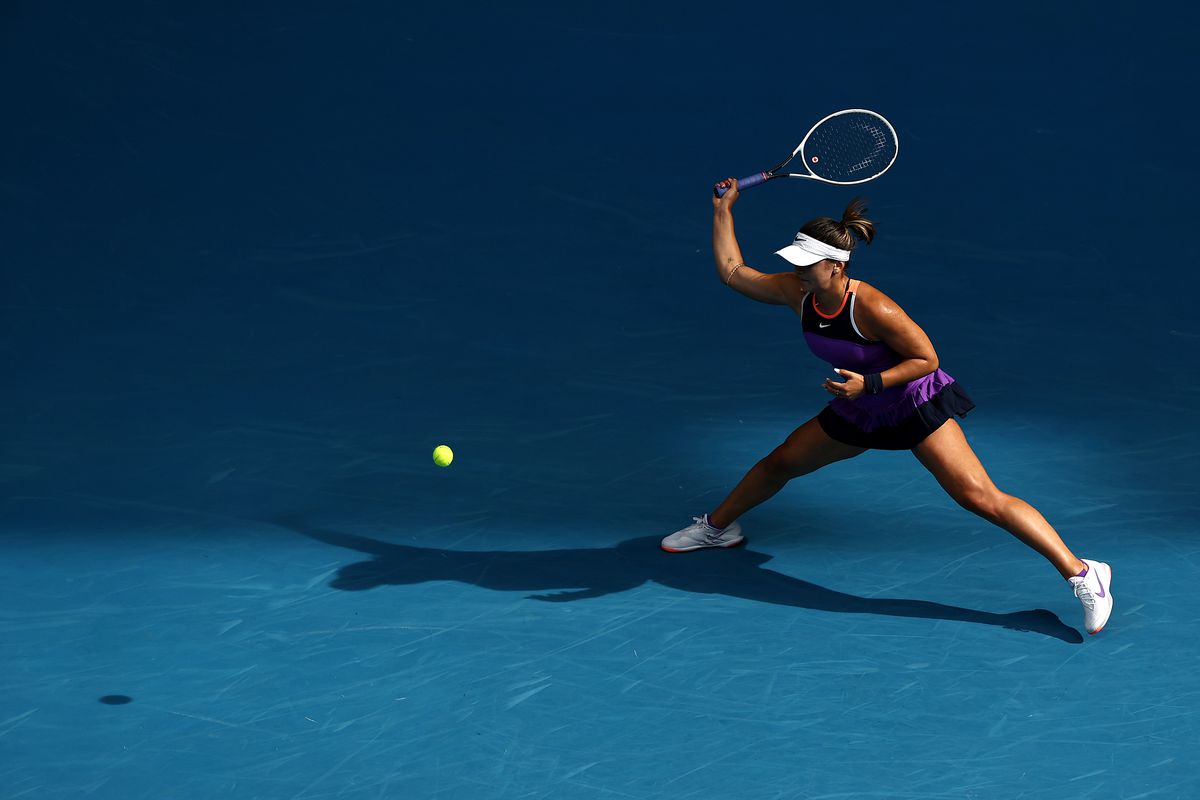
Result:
pixel 872 158
pixel 850 148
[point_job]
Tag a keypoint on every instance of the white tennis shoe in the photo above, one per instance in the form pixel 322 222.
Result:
pixel 1095 592
pixel 701 534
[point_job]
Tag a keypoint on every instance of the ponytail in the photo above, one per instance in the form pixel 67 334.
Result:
pixel 854 227
pixel 855 223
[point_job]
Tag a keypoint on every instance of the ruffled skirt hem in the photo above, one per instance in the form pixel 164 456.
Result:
pixel 950 401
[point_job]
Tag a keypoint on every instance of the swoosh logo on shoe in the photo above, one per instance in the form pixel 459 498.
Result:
pixel 1101 584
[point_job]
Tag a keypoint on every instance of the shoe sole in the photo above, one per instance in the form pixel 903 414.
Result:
pixel 733 543
pixel 1111 603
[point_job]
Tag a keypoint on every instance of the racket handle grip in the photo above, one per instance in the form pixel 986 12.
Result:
pixel 743 183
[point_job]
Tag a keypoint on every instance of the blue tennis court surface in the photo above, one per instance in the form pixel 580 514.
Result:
pixel 257 262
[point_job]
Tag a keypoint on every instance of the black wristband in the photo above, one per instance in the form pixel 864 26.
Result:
pixel 873 383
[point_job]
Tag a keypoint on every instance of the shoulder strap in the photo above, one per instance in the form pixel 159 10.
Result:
pixel 853 290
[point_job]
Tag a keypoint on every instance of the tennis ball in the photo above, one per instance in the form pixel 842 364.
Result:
pixel 442 455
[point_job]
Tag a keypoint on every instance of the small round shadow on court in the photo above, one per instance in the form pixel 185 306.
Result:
pixel 116 699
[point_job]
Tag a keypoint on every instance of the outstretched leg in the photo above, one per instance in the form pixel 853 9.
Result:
pixel 946 454
pixel 806 450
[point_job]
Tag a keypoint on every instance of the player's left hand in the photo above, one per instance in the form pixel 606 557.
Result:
pixel 851 389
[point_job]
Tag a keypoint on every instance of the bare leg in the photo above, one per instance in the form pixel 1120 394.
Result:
pixel 806 450
pixel 946 454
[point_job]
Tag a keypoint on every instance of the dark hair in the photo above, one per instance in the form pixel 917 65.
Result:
pixel 843 234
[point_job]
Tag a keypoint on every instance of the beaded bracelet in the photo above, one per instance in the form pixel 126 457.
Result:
pixel 736 267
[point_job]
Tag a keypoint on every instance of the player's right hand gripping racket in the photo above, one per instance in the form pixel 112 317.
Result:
pixel 847 147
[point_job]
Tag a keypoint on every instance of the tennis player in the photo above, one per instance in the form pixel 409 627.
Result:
pixel 892 396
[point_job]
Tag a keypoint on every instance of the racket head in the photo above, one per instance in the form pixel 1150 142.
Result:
pixel 849 147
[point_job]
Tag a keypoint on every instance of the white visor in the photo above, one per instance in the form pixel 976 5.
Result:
pixel 806 251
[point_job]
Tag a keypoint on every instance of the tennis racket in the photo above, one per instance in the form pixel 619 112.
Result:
pixel 845 148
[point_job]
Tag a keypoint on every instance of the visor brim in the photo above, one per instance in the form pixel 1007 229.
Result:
pixel 798 256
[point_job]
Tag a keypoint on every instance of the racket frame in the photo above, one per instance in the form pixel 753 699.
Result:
pixel 774 172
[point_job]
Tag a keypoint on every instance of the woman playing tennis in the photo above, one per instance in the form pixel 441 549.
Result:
pixel 893 396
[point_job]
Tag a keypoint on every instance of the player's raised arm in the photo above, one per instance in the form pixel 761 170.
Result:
pixel 731 268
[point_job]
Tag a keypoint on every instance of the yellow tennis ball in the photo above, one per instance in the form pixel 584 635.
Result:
pixel 442 455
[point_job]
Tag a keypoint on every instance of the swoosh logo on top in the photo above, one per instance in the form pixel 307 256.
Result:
pixel 824 324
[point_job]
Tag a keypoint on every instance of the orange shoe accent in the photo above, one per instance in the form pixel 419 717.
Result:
pixel 715 547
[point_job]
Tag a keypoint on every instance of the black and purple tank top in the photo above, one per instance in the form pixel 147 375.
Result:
pixel 836 338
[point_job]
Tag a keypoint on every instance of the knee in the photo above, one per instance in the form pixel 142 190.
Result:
pixel 779 466
pixel 985 501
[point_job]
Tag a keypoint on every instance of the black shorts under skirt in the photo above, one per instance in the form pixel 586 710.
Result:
pixel 951 401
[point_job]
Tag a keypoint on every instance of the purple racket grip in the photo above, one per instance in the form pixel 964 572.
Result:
pixel 743 183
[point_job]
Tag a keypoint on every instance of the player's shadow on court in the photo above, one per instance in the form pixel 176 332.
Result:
pixel 561 576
